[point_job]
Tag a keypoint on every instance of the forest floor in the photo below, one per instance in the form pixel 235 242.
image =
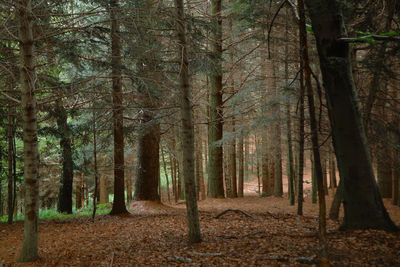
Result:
pixel 156 235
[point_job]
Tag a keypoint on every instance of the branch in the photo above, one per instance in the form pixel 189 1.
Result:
pixel 237 211
pixel 367 38
pixel 270 27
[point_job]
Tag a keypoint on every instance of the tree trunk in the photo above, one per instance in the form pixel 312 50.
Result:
pixel 148 163
pixel 247 161
pixel 314 134
pixel 332 170
pixel 166 174
pixel 363 206
pixel 384 170
pixel 300 166
pixel 67 176
pixel 187 131
pixel 119 188
pixel 11 158
pixel 278 185
pixel 78 196
pixel 265 175
pixel 215 160
pixel 289 165
pixel 232 161
pixel 240 153
pixel 337 200
pixel 96 173
pixel 201 192
pixel 31 154
pixel 118 206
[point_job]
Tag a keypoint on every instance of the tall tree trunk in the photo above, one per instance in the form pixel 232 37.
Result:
pixel 118 206
pixel 148 163
pixel 201 192
pixel 278 185
pixel 11 157
pixel 232 161
pixel 363 206
pixel 96 173
pixel 103 189
pixel 166 174
pixel 248 158
pixel 240 153
pixel 265 164
pixel 332 170
pixel 31 154
pixel 187 131
pixel 300 166
pixel 78 196
pixel 337 200
pixel 289 165
pixel 67 176
pixel 215 160
pixel 314 134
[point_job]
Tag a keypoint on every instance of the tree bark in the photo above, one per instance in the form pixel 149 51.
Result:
pixel 118 206
pixel 337 200
pixel 363 206
pixel 187 129
pixel 240 153
pixel 215 159
pixel 31 154
pixel 11 158
pixel 314 134
pixel 67 176
pixel 148 163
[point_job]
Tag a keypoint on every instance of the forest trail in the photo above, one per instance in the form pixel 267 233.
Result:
pixel 155 235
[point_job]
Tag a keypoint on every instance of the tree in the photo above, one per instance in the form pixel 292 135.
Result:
pixel 148 163
pixel 187 129
pixel 118 119
pixel 215 161
pixel 363 206
pixel 31 155
pixel 67 176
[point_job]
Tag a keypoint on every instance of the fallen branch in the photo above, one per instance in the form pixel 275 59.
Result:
pixel 112 259
pixel 180 259
pixel 237 211
pixel 195 253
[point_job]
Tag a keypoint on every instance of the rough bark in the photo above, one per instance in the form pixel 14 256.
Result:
pixel 10 158
pixel 332 170
pixel 314 134
pixel 148 163
pixel 67 174
pixel 187 130
pixel 118 206
pixel 215 159
pixel 240 153
pixel 31 154
pixel 337 200
pixel 363 206
pixel 300 165
pixel 166 173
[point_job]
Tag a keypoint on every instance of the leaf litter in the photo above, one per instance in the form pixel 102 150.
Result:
pixel 156 235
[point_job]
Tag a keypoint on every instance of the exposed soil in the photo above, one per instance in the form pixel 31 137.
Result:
pixel 155 235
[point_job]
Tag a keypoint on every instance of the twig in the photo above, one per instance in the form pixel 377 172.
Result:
pixel 195 253
pixel 272 24
pixel 237 211
pixel 112 259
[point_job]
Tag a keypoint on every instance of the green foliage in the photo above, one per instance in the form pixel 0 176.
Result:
pixel 52 214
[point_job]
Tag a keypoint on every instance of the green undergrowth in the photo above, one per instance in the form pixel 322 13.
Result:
pixel 51 214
